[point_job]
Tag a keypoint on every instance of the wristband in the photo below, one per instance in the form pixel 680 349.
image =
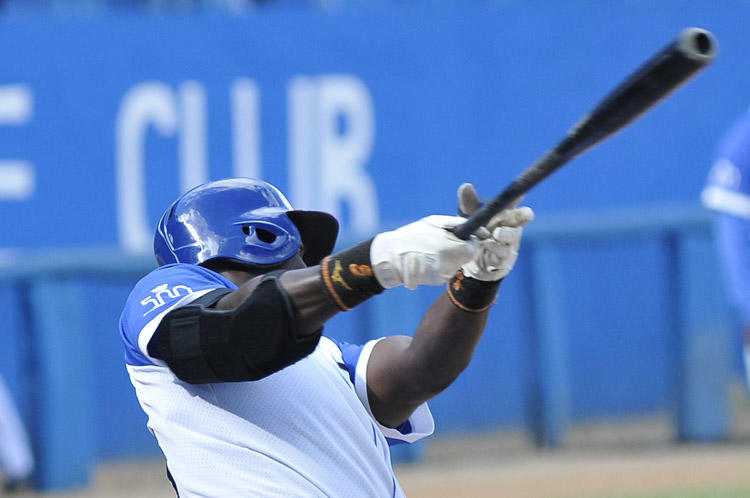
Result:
pixel 471 294
pixel 347 276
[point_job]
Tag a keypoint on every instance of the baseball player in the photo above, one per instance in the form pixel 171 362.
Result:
pixel 223 341
pixel 16 460
pixel 728 192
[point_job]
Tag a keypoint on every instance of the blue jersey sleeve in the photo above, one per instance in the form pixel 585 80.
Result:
pixel 728 186
pixel 733 241
pixel 728 192
pixel 154 296
pixel 355 358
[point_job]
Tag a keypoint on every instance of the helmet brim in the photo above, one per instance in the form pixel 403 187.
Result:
pixel 318 231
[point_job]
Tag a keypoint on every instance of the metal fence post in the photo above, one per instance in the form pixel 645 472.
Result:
pixel 703 340
pixel 549 360
pixel 64 422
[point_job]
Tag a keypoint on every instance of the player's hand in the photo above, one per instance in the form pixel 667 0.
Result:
pixel 421 253
pixel 499 241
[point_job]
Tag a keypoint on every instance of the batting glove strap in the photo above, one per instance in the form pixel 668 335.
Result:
pixel 470 294
pixel 347 277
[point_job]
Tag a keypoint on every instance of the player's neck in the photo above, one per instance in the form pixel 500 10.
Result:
pixel 238 277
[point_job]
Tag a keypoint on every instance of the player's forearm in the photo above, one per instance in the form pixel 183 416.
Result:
pixel 443 345
pixel 303 287
pixel 341 282
pixel 420 253
pixel 405 372
pixel 313 307
pixel 440 350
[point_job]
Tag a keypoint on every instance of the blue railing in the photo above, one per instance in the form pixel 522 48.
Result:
pixel 64 405
pixel 696 314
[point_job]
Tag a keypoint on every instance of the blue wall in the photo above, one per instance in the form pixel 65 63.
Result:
pixel 466 94
pixel 404 104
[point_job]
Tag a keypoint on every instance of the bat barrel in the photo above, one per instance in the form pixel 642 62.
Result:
pixel 697 43
pixel 669 68
pixel 690 52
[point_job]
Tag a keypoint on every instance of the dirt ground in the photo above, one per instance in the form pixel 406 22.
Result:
pixel 567 474
pixel 599 460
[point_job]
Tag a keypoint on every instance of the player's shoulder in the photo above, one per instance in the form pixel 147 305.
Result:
pixel 329 348
pixel 728 183
pixel 339 349
pixel 741 126
pixel 735 144
pixel 174 281
pixel 346 355
pixel 183 271
pixel 163 289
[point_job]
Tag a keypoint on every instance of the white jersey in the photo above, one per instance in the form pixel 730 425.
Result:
pixel 306 430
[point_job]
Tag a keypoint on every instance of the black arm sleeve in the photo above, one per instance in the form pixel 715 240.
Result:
pixel 207 300
pixel 202 345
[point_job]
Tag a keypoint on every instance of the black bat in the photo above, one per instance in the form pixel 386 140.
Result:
pixel 693 49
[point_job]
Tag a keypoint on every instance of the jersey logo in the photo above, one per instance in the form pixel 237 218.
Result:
pixel 157 300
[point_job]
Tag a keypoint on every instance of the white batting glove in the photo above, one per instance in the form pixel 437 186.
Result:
pixel 499 241
pixel 421 253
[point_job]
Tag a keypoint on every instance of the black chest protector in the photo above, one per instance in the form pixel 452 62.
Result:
pixel 202 345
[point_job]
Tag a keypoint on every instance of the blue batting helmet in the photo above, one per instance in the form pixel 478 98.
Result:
pixel 241 219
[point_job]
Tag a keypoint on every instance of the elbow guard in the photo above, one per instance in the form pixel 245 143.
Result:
pixel 256 339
